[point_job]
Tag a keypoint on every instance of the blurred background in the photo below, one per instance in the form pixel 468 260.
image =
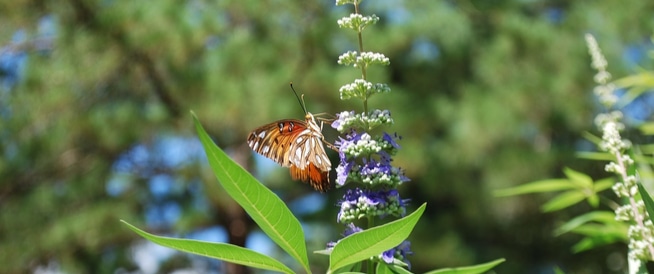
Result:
pixel 95 124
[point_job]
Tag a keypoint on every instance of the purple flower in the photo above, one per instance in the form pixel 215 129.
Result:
pixel 388 256
pixel 391 140
pixel 349 230
pixel 344 118
pixel 358 203
pixel 400 252
pixel 342 172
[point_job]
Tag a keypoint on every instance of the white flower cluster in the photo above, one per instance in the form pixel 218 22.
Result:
pixel 357 21
pixel 365 146
pixel 347 58
pixel 606 94
pixel 611 140
pixel 362 89
pixel 605 90
pixel 348 120
pixel 598 61
pixel 367 58
pixel 362 60
pixel 641 230
pixel 641 240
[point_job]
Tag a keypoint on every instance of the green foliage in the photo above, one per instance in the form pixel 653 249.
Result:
pixel 221 251
pixel 576 188
pixel 649 203
pixel 373 241
pixel 480 268
pixel 276 220
pixel 597 228
pixel 500 102
pixel 261 204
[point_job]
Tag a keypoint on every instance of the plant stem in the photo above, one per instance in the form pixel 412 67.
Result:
pixel 363 68
pixel 632 201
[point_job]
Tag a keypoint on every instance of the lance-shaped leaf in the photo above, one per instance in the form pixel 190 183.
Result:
pixel 226 252
pixel 475 269
pixel 263 206
pixel 372 242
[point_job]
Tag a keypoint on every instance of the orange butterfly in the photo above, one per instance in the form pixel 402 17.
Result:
pixel 298 145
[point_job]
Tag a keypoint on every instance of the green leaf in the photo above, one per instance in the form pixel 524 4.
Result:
pixel 226 252
pixel 647 149
pixel 353 268
pixel 563 200
pixel 649 204
pixel 618 232
pixel 604 184
pixel 548 185
pixel 475 269
pixel 598 156
pixel 593 200
pixel 372 242
pixel 594 216
pixel 578 178
pixel 592 138
pixel 599 237
pixel 647 128
pixel 261 204
pixel 382 268
pixel 558 270
pixel 398 269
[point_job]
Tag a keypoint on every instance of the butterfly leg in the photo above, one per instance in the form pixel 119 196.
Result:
pixel 330 145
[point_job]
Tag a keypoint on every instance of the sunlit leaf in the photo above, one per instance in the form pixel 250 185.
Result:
pixel 636 85
pixel 647 149
pixel 616 231
pixel 593 200
pixel 353 268
pixel 594 216
pixel 599 237
pixel 578 178
pixel 604 184
pixel 644 159
pixel 383 268
pixel 548 185
pixel 261 204
pixel 598 156
pixel 592 138
pixel 372 242
pixel 475 269
pixel 398 269
pixel 563 200
pixel 647 128
pixel 221 251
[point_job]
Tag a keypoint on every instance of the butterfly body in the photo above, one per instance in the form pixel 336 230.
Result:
pixel 297 145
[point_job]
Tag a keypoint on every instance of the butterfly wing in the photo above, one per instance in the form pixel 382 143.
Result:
pixel 297 145
pixel 274 140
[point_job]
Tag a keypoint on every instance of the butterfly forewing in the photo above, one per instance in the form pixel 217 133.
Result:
pixel 295 144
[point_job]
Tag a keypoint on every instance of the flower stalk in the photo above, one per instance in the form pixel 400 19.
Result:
pixel 365 165
pixel 641 230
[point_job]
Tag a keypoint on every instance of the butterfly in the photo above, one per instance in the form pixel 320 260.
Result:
pixel 297 145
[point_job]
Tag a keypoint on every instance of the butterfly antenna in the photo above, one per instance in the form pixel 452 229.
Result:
pixel 300 99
